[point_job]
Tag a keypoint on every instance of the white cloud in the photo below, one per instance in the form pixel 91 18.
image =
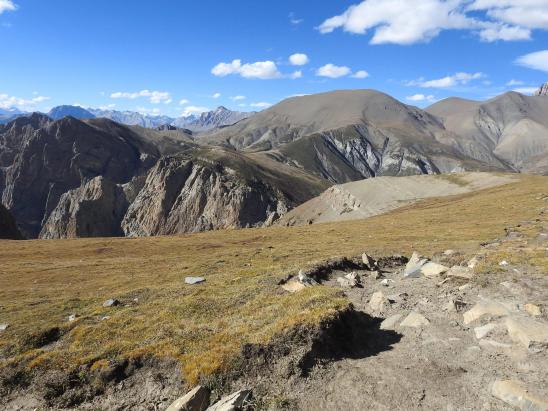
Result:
pixel 525 90
pixel 7 5
pixel 263 70
pixel 514 83
pixel 216 95
pixel 299 59
pixel 421 97
pixel 360 74
pixel 296 74
pixel 7 101
pixel 237 98
pixel 409 22
pixel 448 81
pixel 155 97
pixel 262 104
pixel 536 61
pixel 183 102
pixel 333 71
pixel 193 110
pixel 294 20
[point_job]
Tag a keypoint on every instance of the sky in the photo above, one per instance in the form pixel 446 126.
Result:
pixel 175 57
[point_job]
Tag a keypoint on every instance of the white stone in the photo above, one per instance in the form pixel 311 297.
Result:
pixel 432 269
pixel 532 334
pixel 111 303
pixel 414 266
pixel 533 309
pixel 485 307
pixel 386 282
pixel 484 330
pixel 390 322
pixel 195 400
pixel 458 271
pixel 378 302
pixel 513 393
pixel 231 402
pixel 503 263
pixel 4 327
pixel 368 261
pixel 194 280
pixel 414 319
pixel 72 318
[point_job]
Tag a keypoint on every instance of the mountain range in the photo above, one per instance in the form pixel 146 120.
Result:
pixel 82 177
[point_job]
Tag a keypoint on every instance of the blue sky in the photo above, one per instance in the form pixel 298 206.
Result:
pixel 171 57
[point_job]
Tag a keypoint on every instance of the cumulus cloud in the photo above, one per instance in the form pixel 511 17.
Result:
pixel 154 97
pixel 263 70
pixel 448 81
pixel 409 22
pixel 216 95
pixel 421 97
pixel 299 59
pixel 7 5
pixel 261 104
pixel 237 98
pixel 7 102
pixel 537 60
pixel 333 71
pixel 360 74
pixel 193 110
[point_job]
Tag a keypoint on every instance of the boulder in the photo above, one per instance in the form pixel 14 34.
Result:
pixel 194 280
pixel 513 394
pixel 532 334
pixel 485 307
pixel 432 269
pixel 378 302
pixel 415 320
pixel 414 266
pixel 232 402
pixel 195 400
pixel 390 322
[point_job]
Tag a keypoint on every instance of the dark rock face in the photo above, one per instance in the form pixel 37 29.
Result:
pixel 8 228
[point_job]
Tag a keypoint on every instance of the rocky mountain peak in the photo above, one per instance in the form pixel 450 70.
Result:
pixel 543 90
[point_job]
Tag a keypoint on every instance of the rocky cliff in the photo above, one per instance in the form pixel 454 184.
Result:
pixel 8 227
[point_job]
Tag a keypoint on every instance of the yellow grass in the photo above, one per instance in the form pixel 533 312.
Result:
pixel 204 326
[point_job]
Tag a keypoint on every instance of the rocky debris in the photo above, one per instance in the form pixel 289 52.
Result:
pixel 349 280
pixel 4 327
pixel 486 307
pixel 484 330
pixel 195 400
pixel 513 393
pixel 378 302
pixel 8 228
pixel 533 310
pixel 414 266
pixel 415 320
pixel 530 333
pixel 390 322
pixel 194 280
pixel 457 271
pixel 233 402
pixel 111 303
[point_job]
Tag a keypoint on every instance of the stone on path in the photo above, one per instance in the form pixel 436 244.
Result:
pixel 533 309
pixel 415 320
pixel 390 322
pixel 194 280
pixel 432 269
pixel 232 402
pixel 532 334
pixel 513 393
pixel 414 266
pixel 111 303
pixel 484 330
pixel 378 302
pixel 485 307
pixel 195 400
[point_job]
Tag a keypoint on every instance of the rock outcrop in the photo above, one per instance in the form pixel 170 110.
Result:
pixel 8 228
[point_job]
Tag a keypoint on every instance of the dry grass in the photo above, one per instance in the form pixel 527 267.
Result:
pixel 204 326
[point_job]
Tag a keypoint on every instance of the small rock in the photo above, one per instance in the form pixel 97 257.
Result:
pixel 194 280
pixel 390 322
pixel 72 317
pixel 485 307
pixel 304 278
pixel 231 402
pixel 432 269
pixel 386 282
pixel 293 286
pixel 532 334
pixel 414 319
pixel 533 309
pixel 458 271
pixel 195 400
pixel 378 301
pixel 4 327
pixel 414 266
pixel 369 261
pixel 483 331
pixel 513 393
pixel 111 303
pixel 504 263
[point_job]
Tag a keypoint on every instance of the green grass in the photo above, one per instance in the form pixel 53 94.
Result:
pixel 204 326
